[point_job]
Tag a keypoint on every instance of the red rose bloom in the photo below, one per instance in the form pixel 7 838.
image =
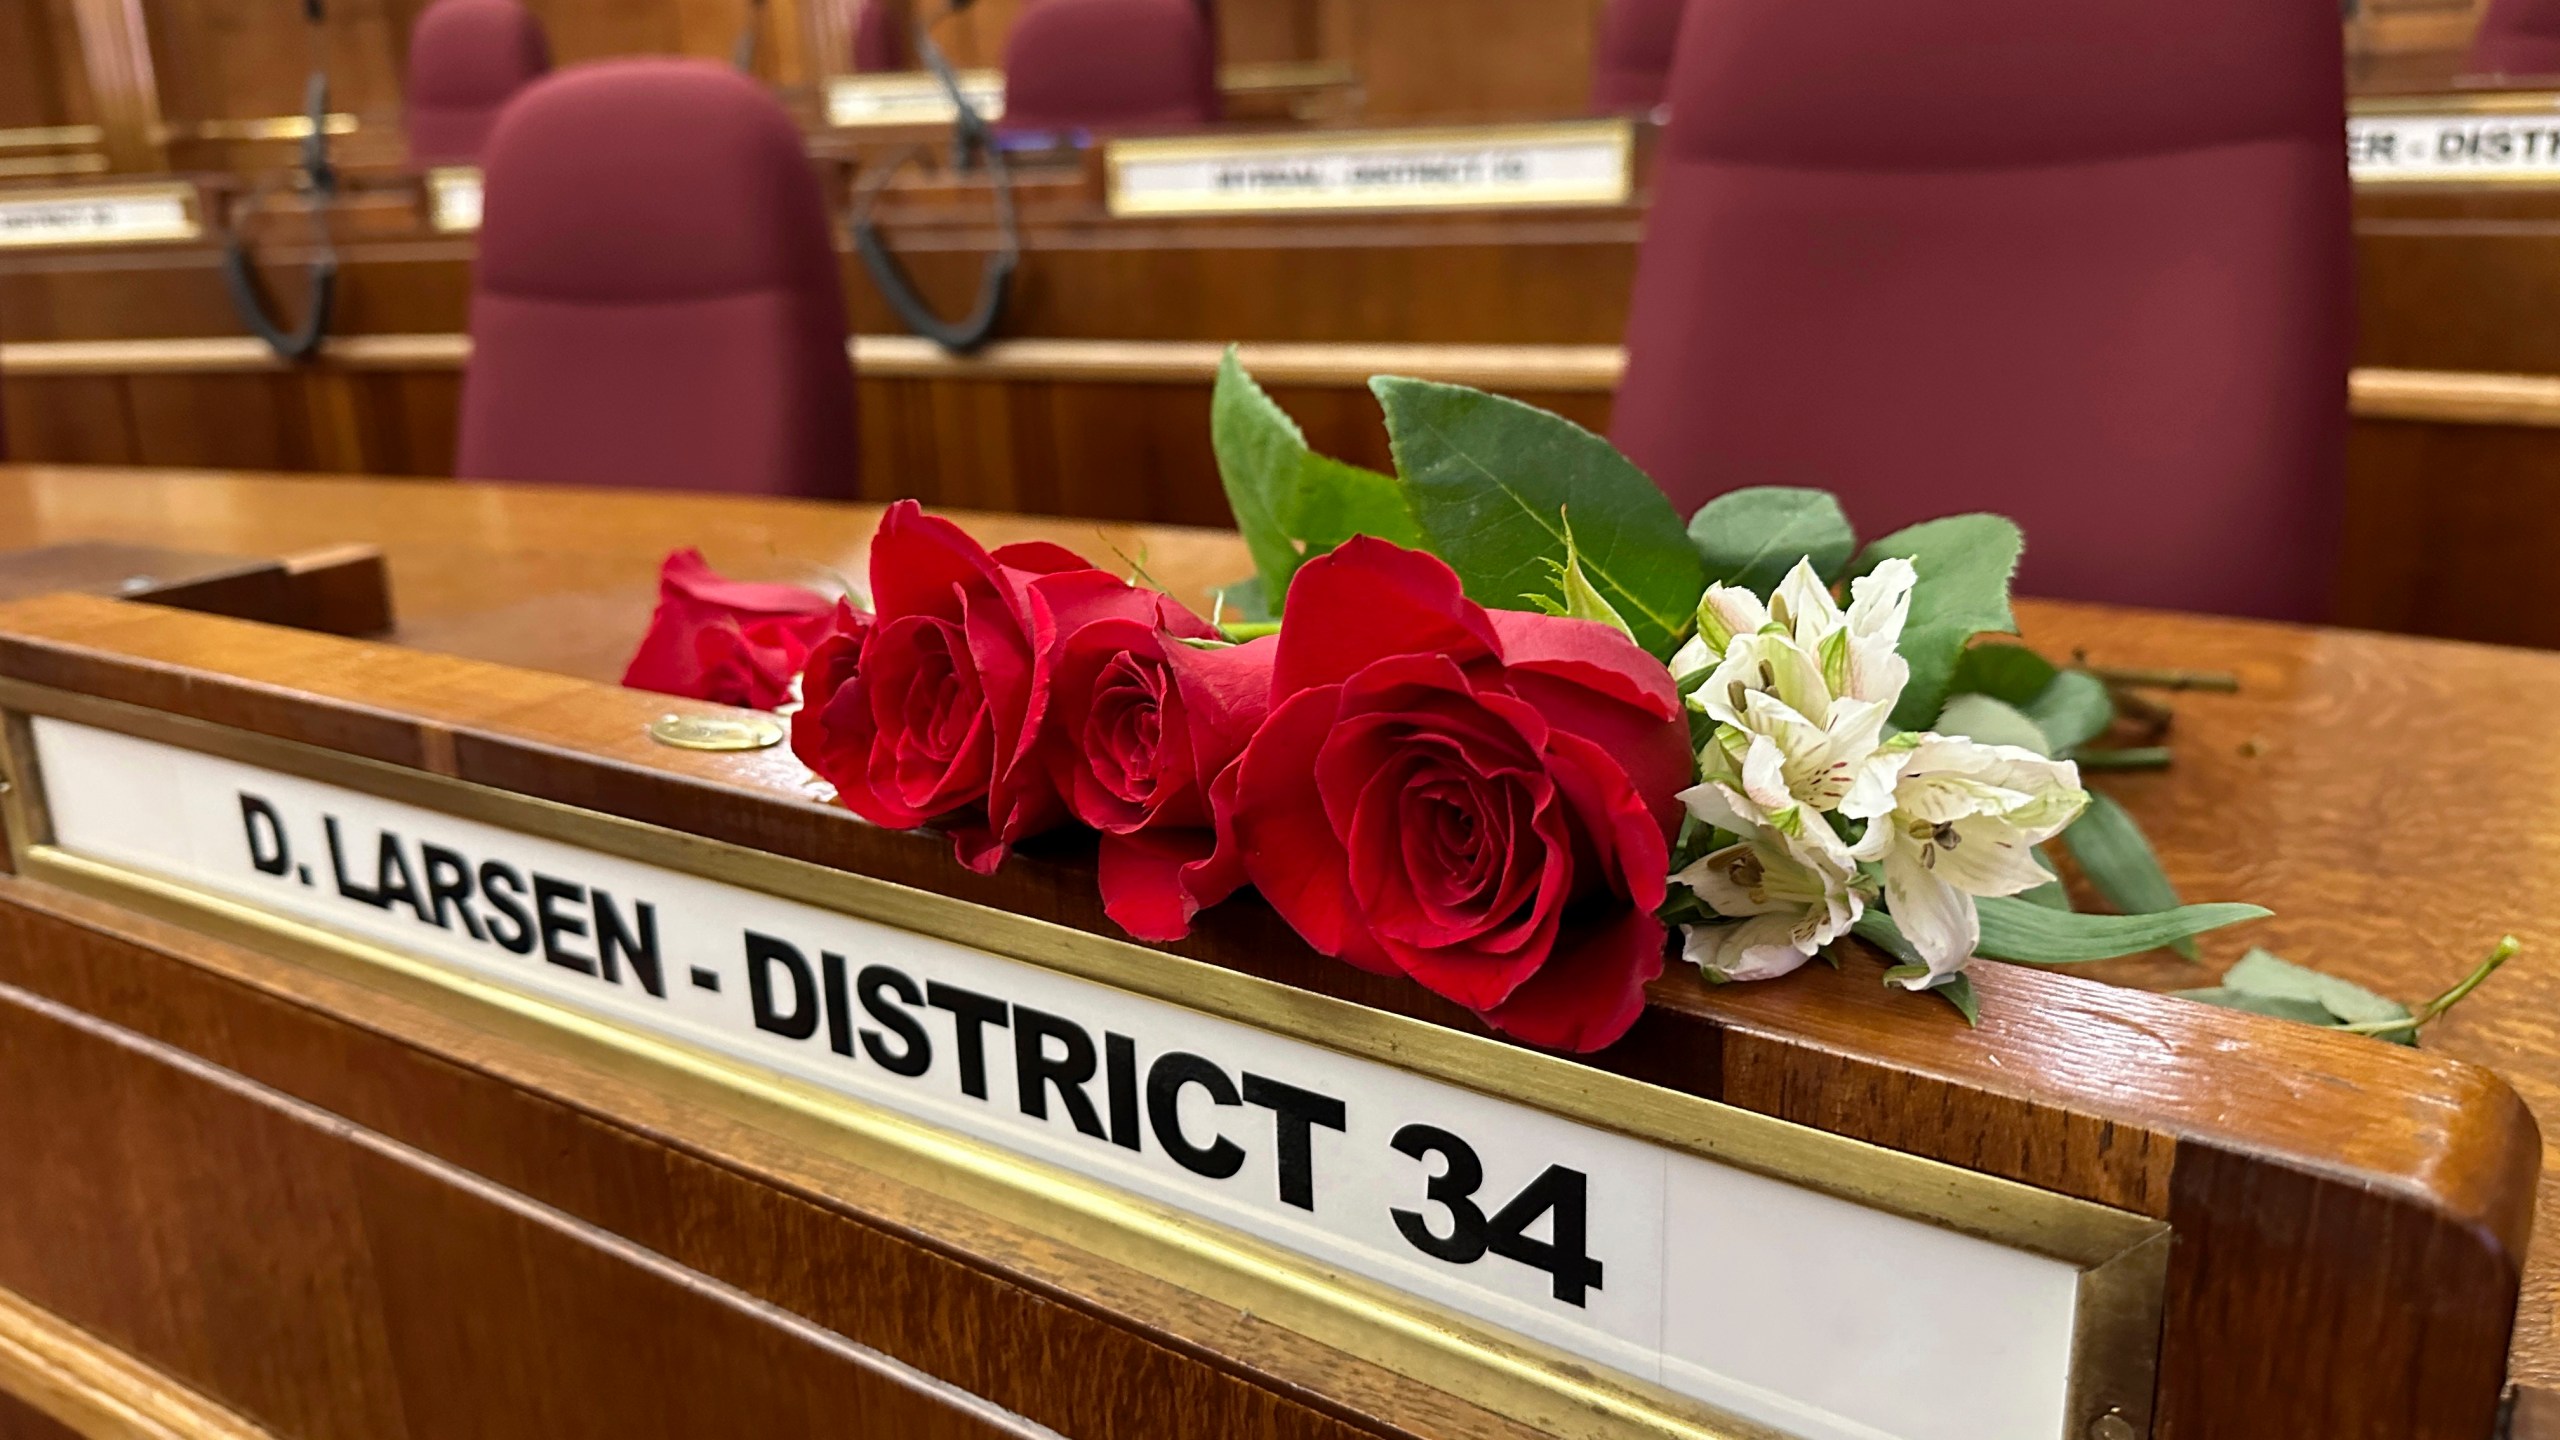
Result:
pixel 935 710
pixel 731 641
pixel 1480 800
pixel 1143 728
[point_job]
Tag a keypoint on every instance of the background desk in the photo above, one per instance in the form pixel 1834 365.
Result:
pixel 2389 798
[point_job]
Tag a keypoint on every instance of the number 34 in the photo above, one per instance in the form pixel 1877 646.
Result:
pixel 1564 1192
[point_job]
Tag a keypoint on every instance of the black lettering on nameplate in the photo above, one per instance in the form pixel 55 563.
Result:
pixel 1561 1193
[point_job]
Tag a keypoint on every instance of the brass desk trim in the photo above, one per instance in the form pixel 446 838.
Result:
pixel 97 1389
pixel 2122 1257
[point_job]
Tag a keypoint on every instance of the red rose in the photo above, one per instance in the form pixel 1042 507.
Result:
pixel 1142 728
pixel 731 641
pixel 934 713
pixel 1479 800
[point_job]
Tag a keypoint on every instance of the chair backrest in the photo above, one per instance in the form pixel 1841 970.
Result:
pixel 880 38
pixel 1631 57
pixel 657 301
pixel 1109 66
pixel 2085 264
pixel 2517 37
pixel 467 58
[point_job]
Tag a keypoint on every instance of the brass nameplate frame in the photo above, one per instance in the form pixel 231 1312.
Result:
pixel 120 214
pixel 1577 162
pixel 2120 1258
pixel 856 102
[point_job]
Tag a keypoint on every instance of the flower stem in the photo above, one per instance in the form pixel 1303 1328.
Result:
pixel 2217 680
pixel 2433 1010
pixel 1242 630
pixel 2139 757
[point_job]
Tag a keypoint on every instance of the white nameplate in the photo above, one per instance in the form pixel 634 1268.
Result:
pixel 910 98
pixel 453 198
pixel 1574 163
pixel 1817 1316
pixel 2454 146
pixel 104 216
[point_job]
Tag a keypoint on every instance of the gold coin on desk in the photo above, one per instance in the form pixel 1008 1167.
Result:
pixel 716 732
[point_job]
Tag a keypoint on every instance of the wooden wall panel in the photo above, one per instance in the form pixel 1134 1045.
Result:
pixel 42 81
pixel 1473 59
pixel 21 1421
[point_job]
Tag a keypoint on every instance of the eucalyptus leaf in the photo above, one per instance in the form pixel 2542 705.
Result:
pixel 2012 673
pixel 1964 563
pixel 1753 537
pixel 2112 852
pixel 2014 929
pixel 1290 503
pixel 1489 478
pixel 2073 710
pixel 2262 973
pixel 2283 1007
pixel 1993 722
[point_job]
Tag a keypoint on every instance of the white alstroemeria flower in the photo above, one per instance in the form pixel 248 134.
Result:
pixel 1782 908
pixel 1857 649
pixel 1724 612
pixel 1783 737
pixel 1953 819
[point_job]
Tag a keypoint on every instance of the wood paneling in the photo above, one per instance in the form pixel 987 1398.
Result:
pixel 2309 1296
pixel 43 83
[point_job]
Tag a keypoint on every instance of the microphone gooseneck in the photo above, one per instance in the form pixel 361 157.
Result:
pixel 972 140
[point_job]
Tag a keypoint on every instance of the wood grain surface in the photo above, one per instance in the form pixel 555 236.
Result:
pixel 2222 1123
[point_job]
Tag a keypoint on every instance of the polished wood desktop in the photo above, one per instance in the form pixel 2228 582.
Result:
pixel 2315 790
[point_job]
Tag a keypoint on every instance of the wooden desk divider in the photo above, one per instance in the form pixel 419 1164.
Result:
pixel 392 1043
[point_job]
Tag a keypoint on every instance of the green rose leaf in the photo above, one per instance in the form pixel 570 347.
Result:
pixel 1753 537
pixel 2032 934
pixel 1489 478
pixel 1965 563
pixel 1290 503
pixel 2113 853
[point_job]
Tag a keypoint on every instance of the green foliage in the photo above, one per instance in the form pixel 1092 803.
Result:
pixel 2050 893
pixel 2112 852
pixel 2070 708
pixel 2265 985
pixel 2074 710
pixel 1244 602
pixel 2014 929
pixel 2011 674
pixel 1581 599
pixel 1993 722
pixel 1290 503
pixel 1753 537
pixel 1488 480
pixel 1956 990
pixel 1964 564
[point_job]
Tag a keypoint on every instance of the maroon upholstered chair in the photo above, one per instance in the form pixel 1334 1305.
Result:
pixel 656 302
pixel 880 38
pixel 1109 66
pixel 1631 59
pixel 2517 37
pixel 467 58
pixel 2084 264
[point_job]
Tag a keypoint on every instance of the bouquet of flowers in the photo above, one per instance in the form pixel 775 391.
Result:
pixel 1499 722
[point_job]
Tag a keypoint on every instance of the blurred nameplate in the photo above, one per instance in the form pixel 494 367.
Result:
pixel 453 198
pixel 2455 138
pixel 1660 1264
pixel 1583 162
pixel 99 215
pixel 910 98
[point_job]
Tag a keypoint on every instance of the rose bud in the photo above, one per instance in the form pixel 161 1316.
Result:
pixel 735 642
pixel 1142 726
pixel 940 713
pixel 1482 801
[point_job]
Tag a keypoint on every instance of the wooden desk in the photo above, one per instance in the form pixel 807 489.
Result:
pixel 2389 798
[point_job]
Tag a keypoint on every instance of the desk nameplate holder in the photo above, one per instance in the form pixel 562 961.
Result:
pixel 117 214
pixel 249 838
pixel 1582 162
pixel 2510 138
pixel 453 199
pixel 857 102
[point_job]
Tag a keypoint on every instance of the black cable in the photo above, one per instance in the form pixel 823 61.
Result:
pixel 320 184
pixel 971 139
pixel 742 55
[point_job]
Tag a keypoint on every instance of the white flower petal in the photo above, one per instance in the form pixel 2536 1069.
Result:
pixel 1938 919
pixel 1726 611
pixel 1803 604
pixel 1762 948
